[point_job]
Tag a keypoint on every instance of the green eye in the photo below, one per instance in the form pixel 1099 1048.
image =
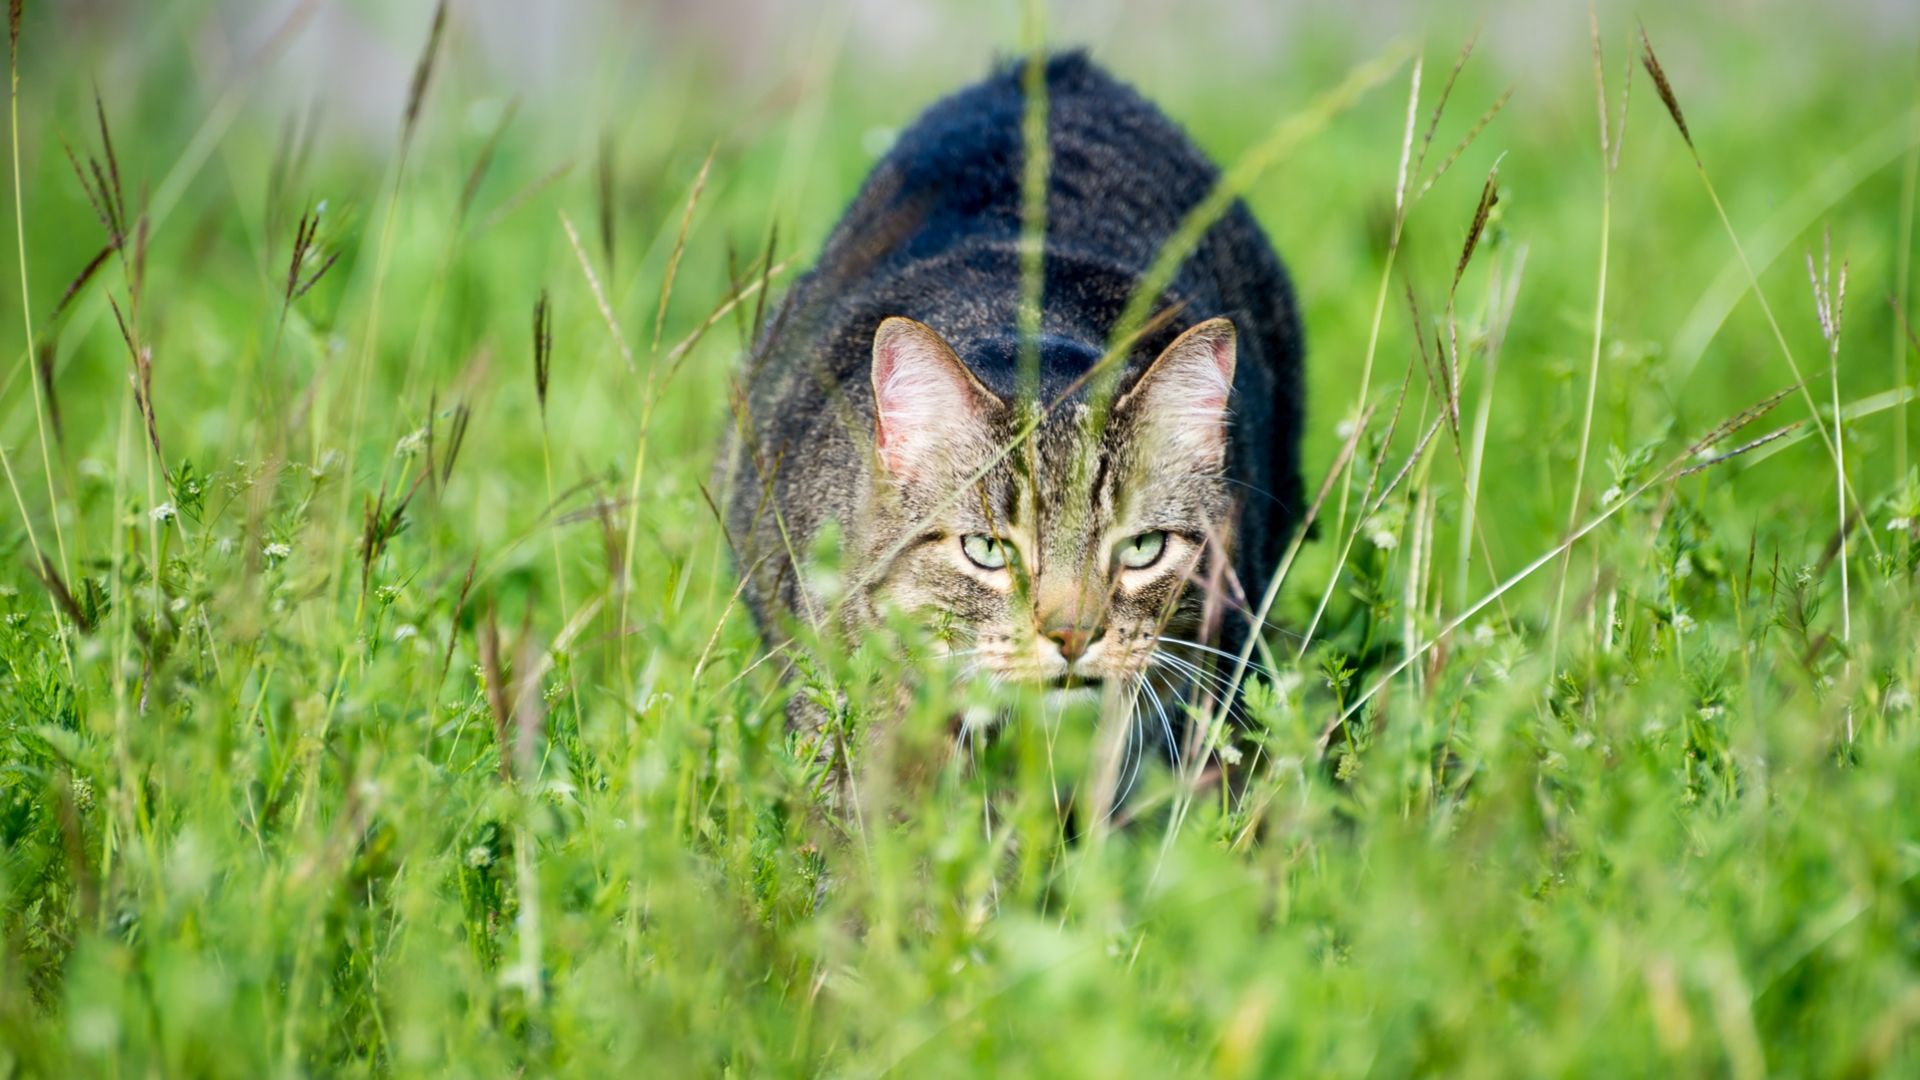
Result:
pixel 1141 551
pixel 986 552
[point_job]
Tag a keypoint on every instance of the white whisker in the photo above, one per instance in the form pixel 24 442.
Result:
pixel 1166 726
pixel 1252 664
pixel 1210 680
pixel 1132 760
pixel 1133 753
pixel 1211 684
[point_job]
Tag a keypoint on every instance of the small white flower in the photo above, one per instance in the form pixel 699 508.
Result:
pixel 1483 634
pixel 1899 699
pixel 276 551
pixel 1682 622
pixel 163 512
pixel 1382 537
pixel 405 631
pixel 1900 524
pixel 478 856
pixel 1611 495
pixel 177 605
pixel 411 443
pixel 1683 566
pixel 1343 430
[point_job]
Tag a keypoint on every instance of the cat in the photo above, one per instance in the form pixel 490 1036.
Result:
pixel 884 401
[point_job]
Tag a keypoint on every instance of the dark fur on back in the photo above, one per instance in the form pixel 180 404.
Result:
pixel 933 235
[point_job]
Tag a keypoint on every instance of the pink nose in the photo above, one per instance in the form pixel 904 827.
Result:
pixel 1072 640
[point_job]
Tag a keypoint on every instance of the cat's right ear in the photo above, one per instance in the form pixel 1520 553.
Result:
pixel 926 402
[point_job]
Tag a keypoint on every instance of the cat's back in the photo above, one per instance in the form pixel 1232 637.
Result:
pixel 1120 175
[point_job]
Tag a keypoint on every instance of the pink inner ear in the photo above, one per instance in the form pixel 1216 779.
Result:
pixel 1214 381
pixel 1197 377
pixel 1185 393
pixel 920 395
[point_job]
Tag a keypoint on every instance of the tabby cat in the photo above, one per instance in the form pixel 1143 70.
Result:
pixel 1064 533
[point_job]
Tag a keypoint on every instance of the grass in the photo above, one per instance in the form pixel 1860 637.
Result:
pixel 375 694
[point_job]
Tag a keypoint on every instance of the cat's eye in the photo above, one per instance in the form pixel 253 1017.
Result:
pixel 985 552
pixel 1142 550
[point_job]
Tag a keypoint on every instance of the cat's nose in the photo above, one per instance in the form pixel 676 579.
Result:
pixel 1073 641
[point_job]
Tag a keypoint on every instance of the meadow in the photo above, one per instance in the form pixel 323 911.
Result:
pixel 375 695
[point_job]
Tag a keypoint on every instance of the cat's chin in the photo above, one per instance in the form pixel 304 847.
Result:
pixel 1060 696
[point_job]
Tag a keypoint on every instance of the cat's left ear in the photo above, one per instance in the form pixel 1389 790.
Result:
pixel 1180 404
pixel 928 406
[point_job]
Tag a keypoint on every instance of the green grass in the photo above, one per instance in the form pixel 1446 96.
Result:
pixel 1661 821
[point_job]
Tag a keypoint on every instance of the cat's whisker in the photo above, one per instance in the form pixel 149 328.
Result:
pixel 1166 726
pixel 1212 684
pixel 1209 679
pixel 1251 664
pixel 1179 667
pixel 1133 751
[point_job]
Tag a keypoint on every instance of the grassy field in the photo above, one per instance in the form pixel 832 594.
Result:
pixel 374 697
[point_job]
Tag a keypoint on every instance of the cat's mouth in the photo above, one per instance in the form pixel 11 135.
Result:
pixel 1070 681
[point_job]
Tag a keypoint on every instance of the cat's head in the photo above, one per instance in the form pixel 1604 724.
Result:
pixel 1058 552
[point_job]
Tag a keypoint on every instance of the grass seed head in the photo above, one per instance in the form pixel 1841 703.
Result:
pixel 106 146
pixel 80 280
pixel 1489 198
pixel 423 75
pixel 456 437
pixel 1651 61
pixel 43 368
pixel 542 349
pixel 308 263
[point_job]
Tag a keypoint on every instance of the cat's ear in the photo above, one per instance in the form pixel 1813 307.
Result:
pixel 927 404
pixel 1180 405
